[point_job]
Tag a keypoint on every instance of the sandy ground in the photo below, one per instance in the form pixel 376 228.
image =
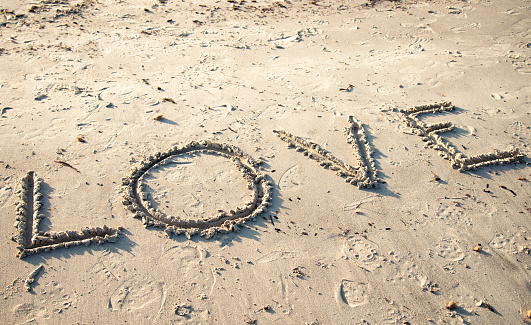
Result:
pixel 324 251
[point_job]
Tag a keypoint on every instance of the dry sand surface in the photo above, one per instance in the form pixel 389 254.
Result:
pixel 92 90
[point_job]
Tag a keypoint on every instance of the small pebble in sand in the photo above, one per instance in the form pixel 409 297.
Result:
pixel 528 313
pixel 80 138
pixel 477 249
pixel 451 305
pixel 158 117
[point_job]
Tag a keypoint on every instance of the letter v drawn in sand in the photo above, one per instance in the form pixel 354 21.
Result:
pixel 362 175
pixel 29 215
pixel 430 134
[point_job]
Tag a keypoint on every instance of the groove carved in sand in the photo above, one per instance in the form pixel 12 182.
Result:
pixel 430 134
pixel 362 175
pixel 136 200
pixel 29 215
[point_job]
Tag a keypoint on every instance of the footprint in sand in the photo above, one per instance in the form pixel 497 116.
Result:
pixel 184 258
pixel 272 112
pixel 24 310
pixel 449 249
pixel 465 28
pixel 417 69
pixel 403 270
pixel 275 255
pixel 503 242
pixel 31 314
pixel 52 296
pixel 445 76
pixel 137 295
pixel 452 215
pixel 109 270
pixel 523 27
pixel 412 74
pixel 5 193
pixel 522 63
pixel 292 179
pixel 353 294
pixel 513 243
pixel 514 11
pixel 519 130
pixel 523 45
pixel 523 67
pixel 46 130
pixel 61 300
pixel 362 254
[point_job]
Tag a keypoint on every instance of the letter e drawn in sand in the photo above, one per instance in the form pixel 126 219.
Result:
pixel 430 135
pixel 135 199
pixel 362 175
pixel 30 240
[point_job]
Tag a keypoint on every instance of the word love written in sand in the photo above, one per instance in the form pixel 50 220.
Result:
pixel 30 240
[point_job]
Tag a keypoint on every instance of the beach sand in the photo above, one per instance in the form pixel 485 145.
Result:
pixel 90 90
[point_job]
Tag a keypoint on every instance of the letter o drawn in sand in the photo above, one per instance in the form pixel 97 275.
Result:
pixel 136 201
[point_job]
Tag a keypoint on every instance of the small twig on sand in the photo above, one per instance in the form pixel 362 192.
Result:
pixel 505 188
pixel 452 198
pixel 64 163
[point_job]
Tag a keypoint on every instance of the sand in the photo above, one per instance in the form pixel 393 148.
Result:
pixel 366 213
